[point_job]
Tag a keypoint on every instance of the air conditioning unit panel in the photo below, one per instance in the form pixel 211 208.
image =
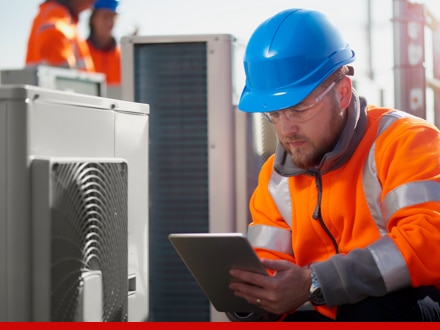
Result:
pixel 39 123
pixel 79 224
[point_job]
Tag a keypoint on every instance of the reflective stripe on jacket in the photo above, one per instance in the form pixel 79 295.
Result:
pixel 367 219
pixel 54 40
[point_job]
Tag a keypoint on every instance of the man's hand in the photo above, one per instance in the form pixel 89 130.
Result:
pixel 284 291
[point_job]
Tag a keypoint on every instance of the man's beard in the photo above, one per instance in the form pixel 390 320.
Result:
pixel 327 142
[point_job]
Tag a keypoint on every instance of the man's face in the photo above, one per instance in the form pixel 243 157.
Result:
pixel 307 142
pixel 103 22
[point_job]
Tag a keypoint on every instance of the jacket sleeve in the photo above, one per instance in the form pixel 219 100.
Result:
pixel 269 233
pixel 408 170
pixel 408 158
pixel 56 43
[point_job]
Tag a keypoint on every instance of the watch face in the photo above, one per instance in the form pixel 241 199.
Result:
pixel 315 294
pixel 316 297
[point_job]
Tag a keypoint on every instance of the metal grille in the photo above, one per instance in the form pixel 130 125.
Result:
pixel 88 233
pixel 172 79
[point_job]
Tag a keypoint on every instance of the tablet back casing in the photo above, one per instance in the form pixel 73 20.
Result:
pixel 210 256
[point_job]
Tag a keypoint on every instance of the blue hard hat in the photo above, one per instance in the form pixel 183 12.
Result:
pixel 288 56
pixel 107 4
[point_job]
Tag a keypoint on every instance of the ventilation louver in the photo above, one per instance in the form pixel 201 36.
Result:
pixel 80 239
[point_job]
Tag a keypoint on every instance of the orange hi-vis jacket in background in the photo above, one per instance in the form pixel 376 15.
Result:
pixel 54 40
pixel 367 219
pixel 107 61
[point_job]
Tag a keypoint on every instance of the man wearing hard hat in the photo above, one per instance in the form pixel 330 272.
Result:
pixel 346 213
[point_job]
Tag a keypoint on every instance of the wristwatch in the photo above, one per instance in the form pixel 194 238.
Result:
pixel 315 293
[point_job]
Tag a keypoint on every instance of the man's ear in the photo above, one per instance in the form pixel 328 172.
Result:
pixel 344 92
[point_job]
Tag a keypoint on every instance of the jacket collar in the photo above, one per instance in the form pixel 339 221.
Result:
pixel 351 135
pixel 92 40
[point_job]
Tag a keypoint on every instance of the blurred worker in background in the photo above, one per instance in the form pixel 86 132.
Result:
pixel 104 49
pixel 54 38
pixel 346 213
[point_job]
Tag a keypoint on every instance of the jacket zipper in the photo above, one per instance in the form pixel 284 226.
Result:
pixel 317 212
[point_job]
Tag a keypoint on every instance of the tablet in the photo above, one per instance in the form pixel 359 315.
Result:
pixel 210 256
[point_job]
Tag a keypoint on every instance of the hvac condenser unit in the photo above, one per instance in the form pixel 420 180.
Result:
pixel 64 79
pixel 73 207
pixel 204 155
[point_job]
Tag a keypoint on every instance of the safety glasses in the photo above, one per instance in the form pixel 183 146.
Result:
pixel 299 113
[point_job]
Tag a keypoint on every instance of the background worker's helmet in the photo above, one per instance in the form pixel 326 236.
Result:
pixel 288 56
pixel 107 4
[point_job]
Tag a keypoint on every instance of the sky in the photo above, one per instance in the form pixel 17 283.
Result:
pixel 155 17
pixel 236 17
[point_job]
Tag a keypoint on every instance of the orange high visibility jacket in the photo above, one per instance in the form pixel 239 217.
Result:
pixel 107 61
pixel 367 219
pixel 54 39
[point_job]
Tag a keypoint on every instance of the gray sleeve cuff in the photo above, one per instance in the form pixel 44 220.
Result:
pixel 369 272
pixel 350 278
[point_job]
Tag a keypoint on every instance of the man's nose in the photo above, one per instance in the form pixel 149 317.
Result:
pixel 287 126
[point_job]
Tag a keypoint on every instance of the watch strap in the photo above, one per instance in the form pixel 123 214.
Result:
pixel 316 296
